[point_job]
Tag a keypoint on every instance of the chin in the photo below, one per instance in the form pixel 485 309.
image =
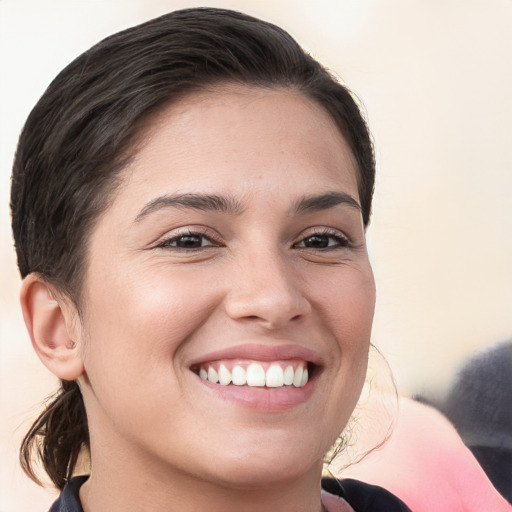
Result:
pixel 255 475
pixel 268 468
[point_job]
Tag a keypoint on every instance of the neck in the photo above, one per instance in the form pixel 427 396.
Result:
pixel 128 484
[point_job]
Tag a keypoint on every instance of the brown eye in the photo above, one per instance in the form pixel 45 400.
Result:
pixel 187 241
pixel 323 241
pixel 316 242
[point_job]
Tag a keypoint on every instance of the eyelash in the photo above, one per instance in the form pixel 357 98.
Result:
pixel 167 242
pixel 341 241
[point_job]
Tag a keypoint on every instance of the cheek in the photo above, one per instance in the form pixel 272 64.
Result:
pixel 135 329
pixel 360 306
pixel 348 303
pixel 348 311
pixel 137 323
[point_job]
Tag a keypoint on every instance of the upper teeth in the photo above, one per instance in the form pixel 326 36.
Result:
pixel 255 375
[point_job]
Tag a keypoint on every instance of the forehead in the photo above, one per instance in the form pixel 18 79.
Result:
pixel 241 138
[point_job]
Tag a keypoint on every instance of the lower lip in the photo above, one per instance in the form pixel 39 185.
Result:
pixel 261 398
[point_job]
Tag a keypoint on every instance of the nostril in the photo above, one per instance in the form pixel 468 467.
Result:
pixel 272 306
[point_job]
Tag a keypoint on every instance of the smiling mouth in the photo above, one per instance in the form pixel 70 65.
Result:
pixel 269 374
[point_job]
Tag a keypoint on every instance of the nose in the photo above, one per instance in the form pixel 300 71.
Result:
pixel 267 290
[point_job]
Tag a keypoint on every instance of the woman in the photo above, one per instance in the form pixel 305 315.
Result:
pixel 189 203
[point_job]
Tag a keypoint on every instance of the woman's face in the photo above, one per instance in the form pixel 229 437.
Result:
pixel 235 248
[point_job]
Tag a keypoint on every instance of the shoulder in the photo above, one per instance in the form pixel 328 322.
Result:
pixel 363 497
pixel 69 500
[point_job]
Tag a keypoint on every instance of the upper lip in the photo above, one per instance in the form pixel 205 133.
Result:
pixel 260 352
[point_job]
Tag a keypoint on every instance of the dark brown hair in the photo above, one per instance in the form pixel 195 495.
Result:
pixel 79 137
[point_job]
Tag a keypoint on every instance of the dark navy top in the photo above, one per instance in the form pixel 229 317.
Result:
pixel 361 497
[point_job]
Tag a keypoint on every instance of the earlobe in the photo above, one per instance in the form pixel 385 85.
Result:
pixel 48 323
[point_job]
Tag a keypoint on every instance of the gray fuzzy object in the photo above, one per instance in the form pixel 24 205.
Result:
pixel 479 404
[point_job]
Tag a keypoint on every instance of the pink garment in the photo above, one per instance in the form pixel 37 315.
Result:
pixel 335 503
pixel 426 464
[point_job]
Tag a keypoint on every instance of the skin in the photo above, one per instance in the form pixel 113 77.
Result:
pixel 260 276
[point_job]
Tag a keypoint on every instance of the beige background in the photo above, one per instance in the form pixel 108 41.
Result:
pixel 436 79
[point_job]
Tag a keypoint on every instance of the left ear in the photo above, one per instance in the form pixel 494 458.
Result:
pixel 51 323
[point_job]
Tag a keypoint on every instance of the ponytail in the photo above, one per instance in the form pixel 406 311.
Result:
pixel 57 437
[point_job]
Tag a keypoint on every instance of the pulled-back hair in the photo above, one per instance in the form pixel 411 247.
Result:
pixel 79 137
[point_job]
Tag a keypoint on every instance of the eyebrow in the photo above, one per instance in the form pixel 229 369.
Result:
pixel 205 202
pixel 324 202
pixel 227 204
